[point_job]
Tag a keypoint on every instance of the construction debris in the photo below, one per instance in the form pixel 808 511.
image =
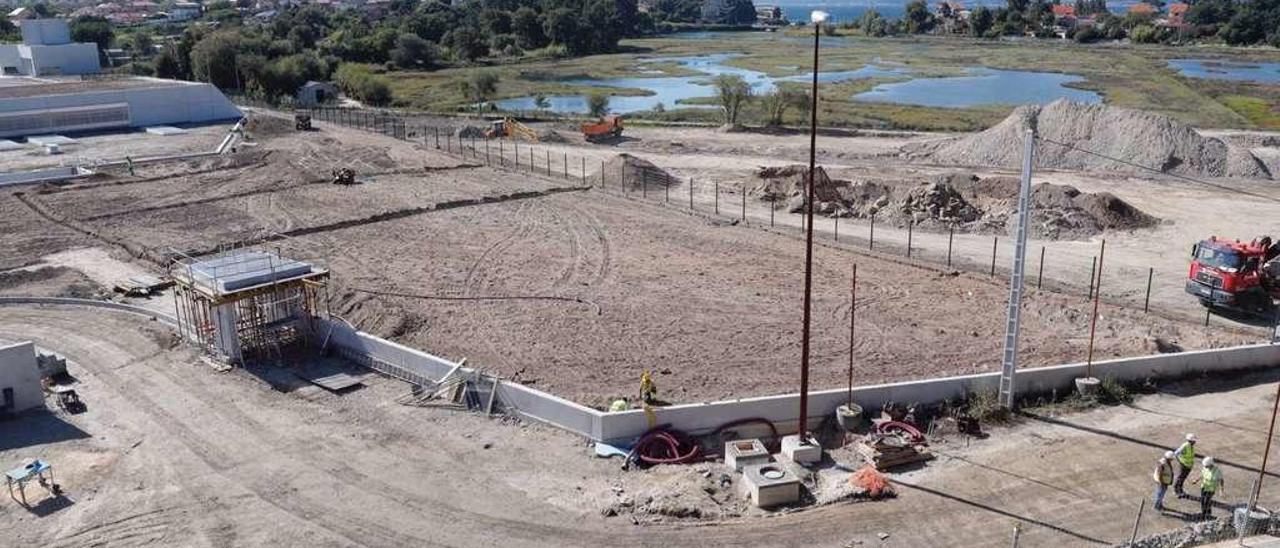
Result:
pixel 344 176
pixel 885 451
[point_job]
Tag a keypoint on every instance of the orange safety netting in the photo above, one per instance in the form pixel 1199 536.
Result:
pixel 871 481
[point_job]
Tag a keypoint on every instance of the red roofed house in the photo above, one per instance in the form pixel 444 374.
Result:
pixel 1060 10
pixel 1176 14
pixel 1143 8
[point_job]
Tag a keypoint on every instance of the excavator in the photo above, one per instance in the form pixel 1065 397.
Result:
pixel 1231 274
pixel 510 128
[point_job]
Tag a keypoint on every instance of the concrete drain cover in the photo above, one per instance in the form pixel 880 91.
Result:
pixel 772 473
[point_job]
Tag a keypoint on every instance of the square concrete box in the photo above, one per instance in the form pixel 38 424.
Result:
pixel 770 484
pixel 739 453
pixel 799 452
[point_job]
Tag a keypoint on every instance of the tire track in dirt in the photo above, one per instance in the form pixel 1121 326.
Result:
pixel 353 530
pixel 338 471
pixel 477 269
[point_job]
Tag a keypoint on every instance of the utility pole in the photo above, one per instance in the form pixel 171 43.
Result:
pixel 1009 365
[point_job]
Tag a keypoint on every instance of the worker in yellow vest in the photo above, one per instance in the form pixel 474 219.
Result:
pixel 1210 484
pixel 1163 475
pixel 1186 455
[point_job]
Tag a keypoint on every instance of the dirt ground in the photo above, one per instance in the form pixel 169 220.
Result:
pixel 571 290
pixel 170 452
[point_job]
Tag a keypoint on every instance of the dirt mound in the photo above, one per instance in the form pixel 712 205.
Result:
pixel 551 136
pixel 967 203
pixel 262 126
pixel 787 184
pixel 635 172
pixel 469 132
pixel 1132 136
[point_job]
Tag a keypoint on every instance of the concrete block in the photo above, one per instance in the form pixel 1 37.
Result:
pixel 740 453
pixel 802 452
pixel 770 485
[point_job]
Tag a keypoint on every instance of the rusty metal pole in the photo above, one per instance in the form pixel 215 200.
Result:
pixel 1146 302
pixel 1093 322
pixel 853 309
pixel 1266 452
pixel 808 244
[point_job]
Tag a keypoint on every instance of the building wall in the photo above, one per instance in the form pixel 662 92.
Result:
pixel 186 103
pixel 75 59
pixel 45 31
pixel 11 59
pixel 18 371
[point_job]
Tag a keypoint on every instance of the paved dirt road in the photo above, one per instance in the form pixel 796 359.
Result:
pixel 171 453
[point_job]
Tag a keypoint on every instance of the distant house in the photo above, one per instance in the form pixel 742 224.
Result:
pixel 185 11
pixel 770 15
pixel 1143 8
pixel 728 12
pixel 21 14
pixel 316 93
pixel 1177 16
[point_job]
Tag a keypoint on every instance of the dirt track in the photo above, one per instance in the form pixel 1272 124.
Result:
pixel 172 453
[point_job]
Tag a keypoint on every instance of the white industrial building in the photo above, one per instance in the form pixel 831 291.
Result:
pixel 42 106
pixel 20 388
pixel 47 50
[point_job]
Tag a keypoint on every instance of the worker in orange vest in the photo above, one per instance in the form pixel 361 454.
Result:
pixel 1163 476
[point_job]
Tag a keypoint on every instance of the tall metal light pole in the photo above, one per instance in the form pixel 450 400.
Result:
pixel 818 18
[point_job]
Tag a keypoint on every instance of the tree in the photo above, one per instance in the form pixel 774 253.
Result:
pixel 777 102
pixel 1146 34
pixel 980 21
pixel 597 103
pixel 167 66
pixel 1211 12
pixel 918 18
pixel 92 29
pixel 213 60
pixel 528 28
pixel 541 102
pixel 466 43
pixel 561 26
pixel 412 51
pixel 495 22
pixel 873 24
pixel 732 92
pixel 140 44
pixel 479 87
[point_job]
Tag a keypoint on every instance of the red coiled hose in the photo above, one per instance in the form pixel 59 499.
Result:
pixel 664 445
pixel 912 433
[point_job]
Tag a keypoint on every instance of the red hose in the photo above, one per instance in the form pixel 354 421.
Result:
pixel 663 445
pixel 891 427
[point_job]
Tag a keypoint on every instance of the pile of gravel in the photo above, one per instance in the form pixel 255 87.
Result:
pixel 1134 136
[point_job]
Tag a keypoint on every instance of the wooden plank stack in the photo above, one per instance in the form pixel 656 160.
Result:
pixel 886 452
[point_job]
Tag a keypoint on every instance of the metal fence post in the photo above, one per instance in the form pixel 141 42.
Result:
pixel 835 230
pixel 717 197
pixel 744 204
pixel 584 170
pixel 911 226
pixel 951 236
pixel 1093 267
pixel 690 193
pixel 566 166
pixel 644 182
pixel 871 240
pixel 1040 276
pixel 995 242
pixel 773 204
pixel 1142 504
pixel 666 189
pixel 1146 303
pixel 436 130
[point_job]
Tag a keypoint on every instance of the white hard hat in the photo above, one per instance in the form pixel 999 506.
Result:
pixel 1167 455
pixel 1208 461
pixel 1191 438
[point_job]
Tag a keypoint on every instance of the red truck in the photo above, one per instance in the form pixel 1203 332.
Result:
pixel 1234 274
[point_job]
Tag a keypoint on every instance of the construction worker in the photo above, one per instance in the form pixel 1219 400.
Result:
pixel 1163 475
pixel 1186 455
pixel 1210 484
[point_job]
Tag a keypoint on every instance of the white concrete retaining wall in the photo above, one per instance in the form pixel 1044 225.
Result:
pixel 783 410
pixel 701 418
pixel 527 402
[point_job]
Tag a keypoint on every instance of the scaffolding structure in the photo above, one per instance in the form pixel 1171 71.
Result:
pixel 247 305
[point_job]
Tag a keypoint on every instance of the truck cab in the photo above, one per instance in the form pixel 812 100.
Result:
pixel 1230 274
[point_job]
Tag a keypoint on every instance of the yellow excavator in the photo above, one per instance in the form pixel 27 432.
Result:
pixel 510 128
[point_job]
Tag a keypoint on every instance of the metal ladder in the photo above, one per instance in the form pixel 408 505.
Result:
pixel 1009 361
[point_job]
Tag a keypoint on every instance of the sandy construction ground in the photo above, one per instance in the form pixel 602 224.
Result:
pixel 573 290
pixel 170 452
